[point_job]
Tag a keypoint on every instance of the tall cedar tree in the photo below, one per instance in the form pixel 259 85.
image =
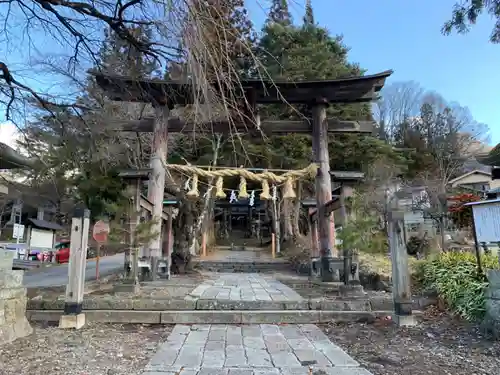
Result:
pixel 307 53
pixel 466 12
pixel 279 13
pixel 228 37
pixel 309 15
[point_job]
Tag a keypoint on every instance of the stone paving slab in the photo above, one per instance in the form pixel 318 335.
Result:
pixel 244 287
pixel 256 349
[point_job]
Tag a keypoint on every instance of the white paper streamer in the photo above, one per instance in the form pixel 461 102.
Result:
pixel 208 191
pixel 186 185
pixel 275 193
pixel 252 198
pixel 233 198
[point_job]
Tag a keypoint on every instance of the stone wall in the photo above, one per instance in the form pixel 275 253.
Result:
pixel 492 296
pixel 13 322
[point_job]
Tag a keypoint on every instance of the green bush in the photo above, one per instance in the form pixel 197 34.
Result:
pixel 455 278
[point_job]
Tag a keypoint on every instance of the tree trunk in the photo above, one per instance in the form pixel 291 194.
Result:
pixel 442 230
pixel 287 220
pixel 206 213
pixel 296 212
pixel 276 225
pixel 183 229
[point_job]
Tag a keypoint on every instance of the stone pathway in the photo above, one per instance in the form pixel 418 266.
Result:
pixel 266 349
pixel 244 287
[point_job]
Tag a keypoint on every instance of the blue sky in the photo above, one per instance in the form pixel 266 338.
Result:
pixel 400 35
pixel 405 36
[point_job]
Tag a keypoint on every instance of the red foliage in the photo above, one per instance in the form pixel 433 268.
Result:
pixel 460 214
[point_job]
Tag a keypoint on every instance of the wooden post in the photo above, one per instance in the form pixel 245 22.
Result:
pixel 273 245
pixel 314 234
pixel 98 256
pixel 323 191
pixel 345 250
pixel 314 253
pixel 401 292
pixel 203 244
pixel 169 243
pixel 134 218
pixel 73 316
pixel 157 183
pixel 277 226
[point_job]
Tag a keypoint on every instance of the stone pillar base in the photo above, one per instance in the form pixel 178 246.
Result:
pixel 351 290
pixel 128 286
pixel 76 321
pixel 404 321
pixel 15 330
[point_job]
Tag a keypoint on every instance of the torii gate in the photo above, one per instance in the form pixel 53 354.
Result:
pixel 318 94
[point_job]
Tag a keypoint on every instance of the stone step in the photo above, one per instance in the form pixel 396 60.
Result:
pixel 116 303
pixel 215 317
pixel 242 266
pixel 247 370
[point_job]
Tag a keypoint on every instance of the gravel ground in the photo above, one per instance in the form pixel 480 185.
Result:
pixel 438 345
pixel 97 349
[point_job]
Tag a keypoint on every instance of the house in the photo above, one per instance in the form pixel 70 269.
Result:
pixel 414 200
pixel 477 180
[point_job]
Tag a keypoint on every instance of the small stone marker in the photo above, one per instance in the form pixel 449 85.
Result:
pixel 13 322
pixel 6 260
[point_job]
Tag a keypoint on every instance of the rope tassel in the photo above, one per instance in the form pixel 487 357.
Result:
pixel 194 193
pixel 219 192
pixel 289 193
pixel 243 194
pixel 265 190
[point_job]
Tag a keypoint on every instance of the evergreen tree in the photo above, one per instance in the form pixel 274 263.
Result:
pixel 308 53
pixel 225 39
pixel 118 57
pixel 465 14
pixel 279 13
pixel 309 16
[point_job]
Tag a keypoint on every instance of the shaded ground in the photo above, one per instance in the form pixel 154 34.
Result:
pixel 97 349
pixel 439 345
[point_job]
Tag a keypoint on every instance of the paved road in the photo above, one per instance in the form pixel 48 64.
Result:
pixel 58 274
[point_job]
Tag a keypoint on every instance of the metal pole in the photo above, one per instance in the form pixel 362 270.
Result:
pixel 476 245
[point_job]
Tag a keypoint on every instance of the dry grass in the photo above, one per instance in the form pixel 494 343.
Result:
pixel 381 263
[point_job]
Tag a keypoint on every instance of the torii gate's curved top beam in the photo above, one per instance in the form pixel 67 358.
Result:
pixel 343 90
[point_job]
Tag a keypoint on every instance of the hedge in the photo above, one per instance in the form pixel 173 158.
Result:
pixel 455 278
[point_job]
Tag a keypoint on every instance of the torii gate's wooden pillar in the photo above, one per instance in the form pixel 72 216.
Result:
pixel 156 185
pixel 326 234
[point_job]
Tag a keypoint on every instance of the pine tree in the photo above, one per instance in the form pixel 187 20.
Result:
pixel 309 16
pixel 279 13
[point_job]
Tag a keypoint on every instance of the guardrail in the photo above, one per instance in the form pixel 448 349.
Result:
pixel 21 264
